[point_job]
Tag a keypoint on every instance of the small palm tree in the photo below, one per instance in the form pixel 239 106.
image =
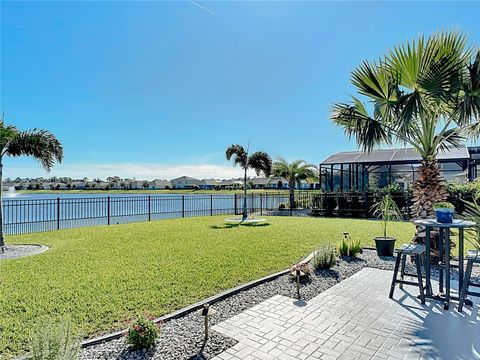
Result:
pixel 425 94
pixel 293 172
pixel 259 161
pixel 39 144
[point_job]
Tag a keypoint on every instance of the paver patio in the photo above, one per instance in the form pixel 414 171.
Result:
pixel 354 319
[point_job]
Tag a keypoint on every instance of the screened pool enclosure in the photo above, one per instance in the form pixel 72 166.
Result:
pixel 361 171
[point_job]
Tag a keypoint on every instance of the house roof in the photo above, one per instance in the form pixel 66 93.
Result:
pixel 392 156
pixel 185 178
pixel 211 182
pixel 160 182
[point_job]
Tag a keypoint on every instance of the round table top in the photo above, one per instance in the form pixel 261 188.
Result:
pixel 457 223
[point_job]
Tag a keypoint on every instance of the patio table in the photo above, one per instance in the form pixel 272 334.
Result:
pixel 444 235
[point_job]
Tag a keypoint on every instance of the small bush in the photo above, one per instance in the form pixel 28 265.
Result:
pixel 443 205
pixel 54 341
pixel 324 257
pixel 142 334
pixel 349 247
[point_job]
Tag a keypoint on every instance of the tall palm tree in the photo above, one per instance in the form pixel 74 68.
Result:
pixel 259 161
pixel 293 172
pixel 39 144
pixel 425 94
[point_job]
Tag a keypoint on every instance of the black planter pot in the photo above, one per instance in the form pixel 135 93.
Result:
pixel 385 246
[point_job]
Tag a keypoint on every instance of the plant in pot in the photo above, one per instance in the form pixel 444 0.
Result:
pixel 444 211
pixel 386 210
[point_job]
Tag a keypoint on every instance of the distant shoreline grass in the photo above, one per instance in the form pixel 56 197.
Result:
pixel 172 191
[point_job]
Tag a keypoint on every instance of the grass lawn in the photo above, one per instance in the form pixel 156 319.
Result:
pixel 100 276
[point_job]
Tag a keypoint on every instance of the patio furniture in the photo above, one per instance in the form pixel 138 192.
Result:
pixel 473 256
pixel 417 252
pixel 444 258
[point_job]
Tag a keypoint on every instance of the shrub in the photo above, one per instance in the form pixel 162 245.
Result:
pixel 142 334
pixel 324 257
pixel 443 205
pixel 349 247
pixel 54 341
pixel 386 210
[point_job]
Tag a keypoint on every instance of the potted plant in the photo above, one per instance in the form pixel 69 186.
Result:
pixel 444 212
pixel 386 210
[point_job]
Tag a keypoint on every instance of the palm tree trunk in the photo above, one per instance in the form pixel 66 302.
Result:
pixel 291 192
pixel 2 240
pixel 427 190
pixel 245 212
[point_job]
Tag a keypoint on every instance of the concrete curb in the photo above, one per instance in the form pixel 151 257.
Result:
pixel 198 305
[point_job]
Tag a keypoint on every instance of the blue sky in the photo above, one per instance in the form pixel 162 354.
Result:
pixel 159 89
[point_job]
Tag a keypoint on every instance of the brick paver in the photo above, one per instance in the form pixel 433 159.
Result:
pixel 354 319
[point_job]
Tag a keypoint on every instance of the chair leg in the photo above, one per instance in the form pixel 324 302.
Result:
pixel 419 277
pixel 466 281
pixel 395 273
pixel 402 270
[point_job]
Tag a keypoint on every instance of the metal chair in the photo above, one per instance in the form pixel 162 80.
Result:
pixel 473 257
pixel 418 253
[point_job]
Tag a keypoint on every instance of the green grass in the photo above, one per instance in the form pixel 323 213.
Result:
pixel 101 276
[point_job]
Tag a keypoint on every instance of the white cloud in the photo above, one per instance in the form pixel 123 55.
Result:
pixel 127 170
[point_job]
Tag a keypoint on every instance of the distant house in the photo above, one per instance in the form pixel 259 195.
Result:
pixel 259 183
pixel 48 185
pixel 79 185
pixel 209 184
pixel 269 183
pixel 278 183
pixel 159 184
pixel 230 184
pixel 139 185
pixel 185 182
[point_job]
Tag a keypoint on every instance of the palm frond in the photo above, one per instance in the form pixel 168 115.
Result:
pixel 238 154
pixel 261 162
pixel 448 139
pixel 39 144
pixel 468 108
pixel 356 122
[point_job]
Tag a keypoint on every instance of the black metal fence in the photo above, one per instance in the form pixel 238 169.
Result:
pixel 36 215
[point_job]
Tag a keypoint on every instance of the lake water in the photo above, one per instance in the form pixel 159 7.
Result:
pixel 25 213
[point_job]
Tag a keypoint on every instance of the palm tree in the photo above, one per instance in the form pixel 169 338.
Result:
pixel 293 172
pixel 39 144
pixel 425 94
pixel 259 161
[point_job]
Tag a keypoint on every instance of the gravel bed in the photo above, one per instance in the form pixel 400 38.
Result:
pixel 17 251
pixel 183 338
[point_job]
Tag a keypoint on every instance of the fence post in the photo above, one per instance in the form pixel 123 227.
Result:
pixel 58 213
pixel 211 205
pixel 183 206
pixel 108 210
pixel 261 205
pixel 407 205
pixel 366 204
pixel 235 204
pixel 149 208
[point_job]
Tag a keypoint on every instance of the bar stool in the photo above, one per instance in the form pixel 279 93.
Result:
pixel 418 253
pixel 473 257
